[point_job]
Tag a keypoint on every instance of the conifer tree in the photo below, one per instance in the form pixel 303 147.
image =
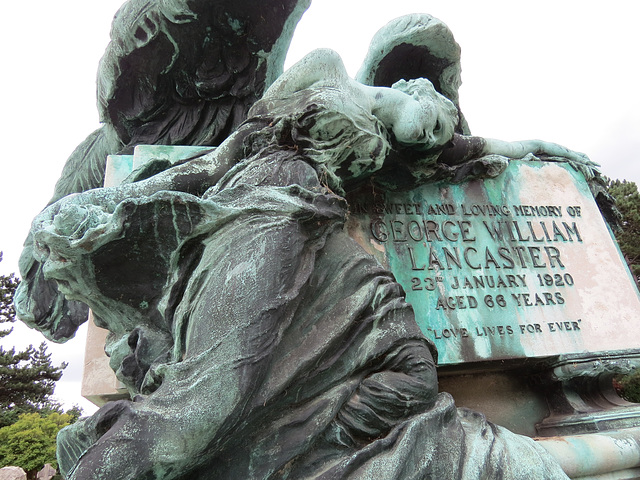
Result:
pixel 8 285
pixel 628 236
pixel 27 377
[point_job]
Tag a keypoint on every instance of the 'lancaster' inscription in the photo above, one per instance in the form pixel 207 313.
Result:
pixel 469 257
pixel 446 258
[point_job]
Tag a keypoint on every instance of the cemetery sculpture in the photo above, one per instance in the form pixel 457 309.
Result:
pixel 256 338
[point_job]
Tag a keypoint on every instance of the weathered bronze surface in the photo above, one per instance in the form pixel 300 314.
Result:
pixel 256 338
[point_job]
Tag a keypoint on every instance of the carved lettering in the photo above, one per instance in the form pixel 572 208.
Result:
pixel 480 260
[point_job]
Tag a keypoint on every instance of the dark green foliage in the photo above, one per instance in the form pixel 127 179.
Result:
pixel 8 285
pixel 29 418
pixel 628 236
pixel 628 386
pixel 27 378
pixel 75 412
pixel 628 202
pixel 31 441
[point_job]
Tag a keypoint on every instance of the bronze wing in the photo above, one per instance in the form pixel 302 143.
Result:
pixel 176 72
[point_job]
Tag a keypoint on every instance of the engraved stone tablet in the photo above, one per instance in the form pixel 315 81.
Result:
pixel 518 266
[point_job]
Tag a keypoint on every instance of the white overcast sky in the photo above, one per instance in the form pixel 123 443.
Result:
pixel 560 70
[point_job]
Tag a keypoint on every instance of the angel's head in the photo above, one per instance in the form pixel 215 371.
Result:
pixel 416 46
pixel 428 122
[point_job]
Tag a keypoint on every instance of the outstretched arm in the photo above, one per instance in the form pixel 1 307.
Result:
pixel 465 148
pixel 537 147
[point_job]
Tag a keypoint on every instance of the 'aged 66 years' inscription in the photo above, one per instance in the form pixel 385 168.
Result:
pixel 522 265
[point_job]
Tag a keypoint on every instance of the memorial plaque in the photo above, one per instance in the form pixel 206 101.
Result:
pixel 519 266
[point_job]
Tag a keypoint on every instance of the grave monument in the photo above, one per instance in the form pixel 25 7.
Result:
pixel 280 258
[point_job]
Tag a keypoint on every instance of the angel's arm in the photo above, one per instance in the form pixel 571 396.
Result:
pixel 463 148
pixel 322 68
pixel 522 148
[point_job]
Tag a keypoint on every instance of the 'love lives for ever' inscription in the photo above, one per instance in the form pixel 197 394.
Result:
pixel 518 266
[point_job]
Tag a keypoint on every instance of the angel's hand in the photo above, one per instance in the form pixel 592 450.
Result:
pixel 554 151
pixel 67 224
pixel 577 160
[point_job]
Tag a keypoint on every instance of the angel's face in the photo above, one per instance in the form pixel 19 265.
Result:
pixel 444 127
pixel 434 125
pixel 429 119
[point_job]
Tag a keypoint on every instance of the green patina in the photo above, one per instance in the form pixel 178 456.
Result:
pixel 257 339
pixel 468 298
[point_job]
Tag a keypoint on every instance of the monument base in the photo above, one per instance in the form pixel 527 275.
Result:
pixel 581 395
pixel 555 396
pixel 566 400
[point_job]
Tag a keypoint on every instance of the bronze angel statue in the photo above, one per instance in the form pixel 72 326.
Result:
pixel 257 339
